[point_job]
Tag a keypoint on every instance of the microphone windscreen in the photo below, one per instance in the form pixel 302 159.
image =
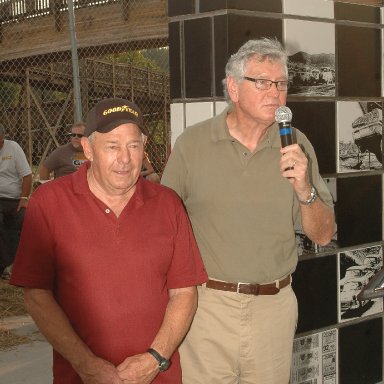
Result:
pixel 283 114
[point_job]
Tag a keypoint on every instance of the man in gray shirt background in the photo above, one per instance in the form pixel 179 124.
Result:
pixel 15 187
pixel 65 159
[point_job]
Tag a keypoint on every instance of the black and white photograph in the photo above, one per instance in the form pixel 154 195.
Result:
pixel 304 244
pixel 314 8
pixel 315 359
pixel 311 50
pixel 356 268
pixel 360 128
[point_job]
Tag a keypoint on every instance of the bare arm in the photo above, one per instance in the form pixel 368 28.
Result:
pixel 317 219
pixel 26 187
pixel 44 172
pixel 55 326
pixel 143 368
pixel 318 222
pixel 148 169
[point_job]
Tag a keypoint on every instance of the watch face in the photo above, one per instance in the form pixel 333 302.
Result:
pixel 164 365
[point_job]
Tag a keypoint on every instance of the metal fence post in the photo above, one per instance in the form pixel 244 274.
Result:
pixel 75 64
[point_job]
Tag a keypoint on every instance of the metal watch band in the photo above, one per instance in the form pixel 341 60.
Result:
pixel 311 199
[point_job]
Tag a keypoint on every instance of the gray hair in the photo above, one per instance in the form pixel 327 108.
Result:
pixel 261 50
pixel 91 137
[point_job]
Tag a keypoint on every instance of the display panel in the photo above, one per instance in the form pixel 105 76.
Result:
pixel 361 352
pixel 249 5
pixel 359 128
pixel 356 269
pixel 357 12
pixel 359 210
pixel 317 121
pixel 358 61
pixel 316 296
pixel 311 59
pixel 315 8
pixel 315 358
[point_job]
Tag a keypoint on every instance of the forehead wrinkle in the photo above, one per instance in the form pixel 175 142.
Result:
pixel 113 141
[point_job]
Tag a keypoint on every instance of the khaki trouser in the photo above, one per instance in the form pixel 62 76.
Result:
pixel 240 339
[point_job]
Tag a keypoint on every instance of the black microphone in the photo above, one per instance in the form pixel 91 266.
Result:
pixel 283 116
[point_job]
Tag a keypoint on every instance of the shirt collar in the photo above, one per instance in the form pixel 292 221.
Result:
pixel 79 179
pixel 144 190
pixel 219 130
pixel 272 136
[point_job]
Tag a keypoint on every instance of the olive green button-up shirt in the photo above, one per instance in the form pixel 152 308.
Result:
pixel 242 210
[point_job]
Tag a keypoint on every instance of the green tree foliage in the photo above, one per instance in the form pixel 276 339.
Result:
pixel 155 59
pixel 9 93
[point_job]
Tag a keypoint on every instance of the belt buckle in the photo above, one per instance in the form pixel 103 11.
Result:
pixel 254 288
pixel 238 286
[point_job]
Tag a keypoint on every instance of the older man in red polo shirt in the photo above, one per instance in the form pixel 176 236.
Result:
pixel 114 305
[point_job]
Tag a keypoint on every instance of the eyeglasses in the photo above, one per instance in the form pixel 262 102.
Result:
pixel 79 135
pixel 264 84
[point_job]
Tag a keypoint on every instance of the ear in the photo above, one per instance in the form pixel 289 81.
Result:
pixel 233 88
pixel 87 148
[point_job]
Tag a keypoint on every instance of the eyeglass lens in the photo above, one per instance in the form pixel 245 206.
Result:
pixel 264 84
pixel 267 84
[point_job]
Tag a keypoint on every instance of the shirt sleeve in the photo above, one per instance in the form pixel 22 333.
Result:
pixel 52 162
pixel 175 172
pixel 187 268
pixel 21 162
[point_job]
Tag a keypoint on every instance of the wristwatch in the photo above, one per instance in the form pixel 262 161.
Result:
pixel 312 197
pixel 163 362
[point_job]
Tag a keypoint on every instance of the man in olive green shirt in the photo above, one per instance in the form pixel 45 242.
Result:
pixel 243 193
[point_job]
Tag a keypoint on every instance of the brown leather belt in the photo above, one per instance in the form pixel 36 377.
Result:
pixel 250 289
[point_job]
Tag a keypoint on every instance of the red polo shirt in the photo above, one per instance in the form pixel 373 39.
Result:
pixel 110 275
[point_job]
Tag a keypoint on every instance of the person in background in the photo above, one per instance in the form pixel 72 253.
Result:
pixel 114 305
pixel 148 171
pixel 66 158
pixel 15 187
pixel 244 193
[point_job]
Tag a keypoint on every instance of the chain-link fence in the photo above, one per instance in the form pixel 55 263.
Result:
pixel 122 52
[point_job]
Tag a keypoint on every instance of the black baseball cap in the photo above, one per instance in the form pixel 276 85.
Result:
pixel 108 114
